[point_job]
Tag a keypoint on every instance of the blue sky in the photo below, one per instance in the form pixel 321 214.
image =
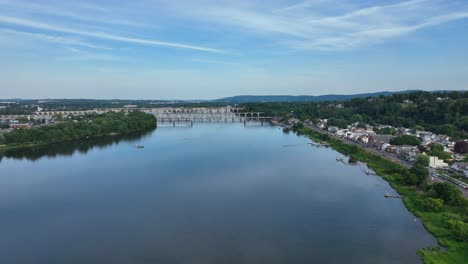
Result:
pixel 210 49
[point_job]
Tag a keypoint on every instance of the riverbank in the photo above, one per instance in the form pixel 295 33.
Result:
pixel 437 223
pixel 85 127
pixel 4 148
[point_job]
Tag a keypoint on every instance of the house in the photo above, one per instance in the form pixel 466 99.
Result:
pixel 426 137
pixel 20 125
pixel 403 131
pixel 407 152
pixel 380 138
pixel 458 157
pixel 435 162
pixel 333 129
pixel 322 123
pixel 391 149
pixel 364 139
pixel 342 132
pixel 461 167
pixel 385 146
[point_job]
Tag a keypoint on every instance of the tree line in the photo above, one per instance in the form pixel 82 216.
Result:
pixel 438 112
pixel 87 126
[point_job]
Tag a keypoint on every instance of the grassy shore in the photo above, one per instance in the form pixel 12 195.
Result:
pixel 17 146
pixel 21 146
pixel 453 252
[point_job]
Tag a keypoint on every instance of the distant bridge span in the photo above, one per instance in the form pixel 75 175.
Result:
pixel 163 114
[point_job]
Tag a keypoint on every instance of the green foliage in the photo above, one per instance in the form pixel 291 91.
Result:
pixel 449 116
pixel 338 122
pixel 460 229
pixel 385 131
pixel 421 173
pixel 446 129
pixel 447 192
pixel 92 125
pixel 418 128
pixel 433 204
pixel 405 140
pixel 438 151
pixel 298 126
pixel 422 160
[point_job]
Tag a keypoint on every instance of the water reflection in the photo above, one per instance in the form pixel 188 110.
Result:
pixel 214 194
pixel 68 148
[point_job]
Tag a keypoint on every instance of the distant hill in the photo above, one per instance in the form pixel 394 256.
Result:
pixel 301 98
pixel 87 103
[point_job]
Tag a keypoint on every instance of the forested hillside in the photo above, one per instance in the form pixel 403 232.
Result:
pixel 440 112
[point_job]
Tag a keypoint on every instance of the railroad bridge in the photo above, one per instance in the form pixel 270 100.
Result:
pixel 163 114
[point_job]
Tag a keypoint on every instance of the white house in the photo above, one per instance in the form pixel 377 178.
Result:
pixel 435 162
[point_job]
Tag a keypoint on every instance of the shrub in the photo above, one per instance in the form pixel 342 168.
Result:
pixel 445 191
pixel 460 229
pixel 433 204
pixel 421 173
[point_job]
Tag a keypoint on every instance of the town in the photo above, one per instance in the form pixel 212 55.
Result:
pixel 447 158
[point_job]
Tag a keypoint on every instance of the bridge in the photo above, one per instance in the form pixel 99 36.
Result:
pixel 163 114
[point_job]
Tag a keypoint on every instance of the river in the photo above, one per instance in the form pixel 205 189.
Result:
pixel 211 193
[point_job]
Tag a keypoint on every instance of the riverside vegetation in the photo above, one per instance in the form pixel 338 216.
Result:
pixel 439 112
pixel 440 206
pixel 92 125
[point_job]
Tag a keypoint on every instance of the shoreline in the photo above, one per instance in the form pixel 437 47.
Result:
pixel 13 147
pixel 448 250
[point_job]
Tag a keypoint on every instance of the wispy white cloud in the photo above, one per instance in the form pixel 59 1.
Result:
pixel 85 12
pixel 75 54
pixel 219 62
pixel 80 56
pixel 65 40
pixel 300 26
pixel 100 35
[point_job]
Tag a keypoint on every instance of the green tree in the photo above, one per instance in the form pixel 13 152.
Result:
pixel 405 140
pixel 446 129
pixel 447 192
pixel 338 122
pixel 433 204
pixel 421 173
pixel 438 151
pixel 422 160
pixel 460 229
pixel 418 128
pixel 91 125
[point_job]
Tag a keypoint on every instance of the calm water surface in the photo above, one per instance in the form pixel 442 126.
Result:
pixel 214 193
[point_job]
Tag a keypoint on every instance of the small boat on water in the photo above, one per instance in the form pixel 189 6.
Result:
pixel 139 146
pixel 387 195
